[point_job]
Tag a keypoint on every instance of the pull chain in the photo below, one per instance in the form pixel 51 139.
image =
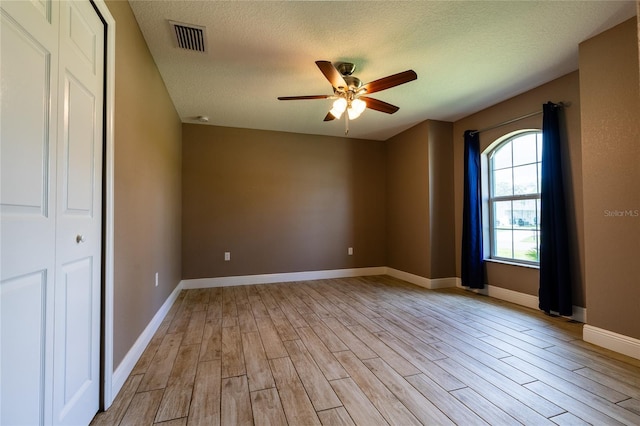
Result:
pixel 346 124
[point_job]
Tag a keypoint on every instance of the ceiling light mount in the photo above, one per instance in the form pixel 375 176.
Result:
pixel 345 68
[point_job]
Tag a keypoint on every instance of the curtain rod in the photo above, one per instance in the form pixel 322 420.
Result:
pixel 513 120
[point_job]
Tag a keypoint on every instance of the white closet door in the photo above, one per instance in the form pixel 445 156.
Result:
pixel 50 165
pixel 76 365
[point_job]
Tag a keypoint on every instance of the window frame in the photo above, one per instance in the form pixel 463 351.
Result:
pixel 491 199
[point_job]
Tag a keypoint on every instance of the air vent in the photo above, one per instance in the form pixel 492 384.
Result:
pixel 188 36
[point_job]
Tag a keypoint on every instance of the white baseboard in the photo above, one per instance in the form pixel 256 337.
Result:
pixel 579 314
pixel 281 278
pixel 429 283
pixel 608 339
pixel 523 299
pixel 123 370
pixel 318 275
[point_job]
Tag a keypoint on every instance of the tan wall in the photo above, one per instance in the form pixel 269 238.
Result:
pixel 147 192
pixel 280 202
pixel 420 202
pixel 609 83
pixel 441 200
pixel 565 89
pixel 408 201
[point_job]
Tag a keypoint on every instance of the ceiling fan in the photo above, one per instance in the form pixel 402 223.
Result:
pixel 349 92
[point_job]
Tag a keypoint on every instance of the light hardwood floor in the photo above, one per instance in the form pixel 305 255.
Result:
pixel 369 351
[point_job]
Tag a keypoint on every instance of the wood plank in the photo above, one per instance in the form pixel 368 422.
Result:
pixel 257 366
pixel 444 400
pixel 391 357
pixel 229 309
pixel 197 300
pixel 335 417
pixel 214 308
pixel 318 388
pixel 266 296
pixel 484 409
pixel 313 288
pixel 158 373
pixel 120 404
pixel 360 409
pixel 150 351
pixel 295 402
pixel 205 405
pixel 619 370
pixel 623 361
pixel 235 402
pixel 323 357
pixel 180 320
pixel 568 419
pixel 631 404
pixel 567 381
pixel 329 338
pixel 271 341
pixel 232 355
pixel 292 314
pixel 211 348
pixel 175 422
pixel 499 384
pixel 195 329
pixel 313 304
pixel 594 400
pixel 535 356
pixel 176 307
pixel 267 408
pixel 282 324
pixel 496 369
pixel 512 406
pixel 397 339
pixel 240 295
pixel 445 334
pixel 426 366
pixel 258 307
pixel 245 318
pixel 422 408
pixel 384 400
pixel 580 409
pixel 177 394
pixel 353 344
pixel 142 409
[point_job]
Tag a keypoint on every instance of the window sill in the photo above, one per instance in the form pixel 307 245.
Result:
pixel 504 262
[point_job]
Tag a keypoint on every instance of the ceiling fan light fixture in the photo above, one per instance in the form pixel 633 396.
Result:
pixel 356 108
pixel 339 105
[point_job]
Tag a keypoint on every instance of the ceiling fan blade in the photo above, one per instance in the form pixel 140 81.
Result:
pixel 390 81
pixel 329 117
pixel 331 73
pixel 295 98
pixel 379 105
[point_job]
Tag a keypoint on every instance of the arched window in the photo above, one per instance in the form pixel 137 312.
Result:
pixel 514 198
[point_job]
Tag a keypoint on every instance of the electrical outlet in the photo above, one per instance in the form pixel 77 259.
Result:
pixel 350 251
pixel 227 256
pixel 157 279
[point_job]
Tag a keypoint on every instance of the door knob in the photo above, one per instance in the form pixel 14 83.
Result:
pixel 79 238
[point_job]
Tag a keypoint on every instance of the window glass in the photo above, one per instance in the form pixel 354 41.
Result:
pixel 525 179
pixel 502 157
pixel 503 182
pixel 515 198
pixel 524 149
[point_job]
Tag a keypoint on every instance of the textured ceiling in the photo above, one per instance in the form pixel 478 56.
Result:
pixel 468 55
